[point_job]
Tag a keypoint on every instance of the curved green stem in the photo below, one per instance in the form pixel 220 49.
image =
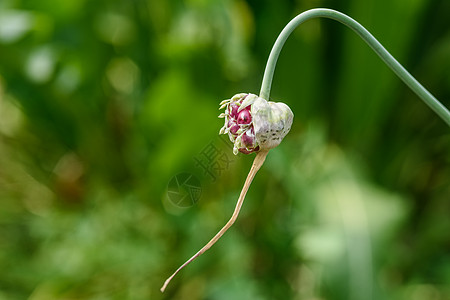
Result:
pixel 398 69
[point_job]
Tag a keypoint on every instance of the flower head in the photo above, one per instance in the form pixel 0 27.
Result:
pixel 253 123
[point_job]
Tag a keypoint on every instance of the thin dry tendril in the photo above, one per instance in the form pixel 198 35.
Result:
pixel 257 163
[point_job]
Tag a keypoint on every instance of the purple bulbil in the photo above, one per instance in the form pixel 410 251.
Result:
pixel 239 125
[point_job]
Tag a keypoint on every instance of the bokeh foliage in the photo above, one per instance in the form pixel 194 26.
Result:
pixel 103 102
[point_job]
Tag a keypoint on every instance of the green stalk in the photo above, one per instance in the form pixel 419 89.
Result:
pixel 398 69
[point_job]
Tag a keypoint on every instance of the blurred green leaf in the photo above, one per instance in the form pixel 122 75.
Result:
pixel 102 103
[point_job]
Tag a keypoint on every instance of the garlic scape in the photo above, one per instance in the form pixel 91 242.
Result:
pixel 255 125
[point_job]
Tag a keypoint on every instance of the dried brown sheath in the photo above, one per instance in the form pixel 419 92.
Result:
pixel 257 163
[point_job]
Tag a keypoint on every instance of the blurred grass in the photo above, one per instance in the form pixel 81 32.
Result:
pixel 102 103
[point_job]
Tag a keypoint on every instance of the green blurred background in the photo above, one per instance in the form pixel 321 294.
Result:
pixel 103 102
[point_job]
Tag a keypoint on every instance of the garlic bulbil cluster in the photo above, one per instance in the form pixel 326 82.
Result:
pixel 253 123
